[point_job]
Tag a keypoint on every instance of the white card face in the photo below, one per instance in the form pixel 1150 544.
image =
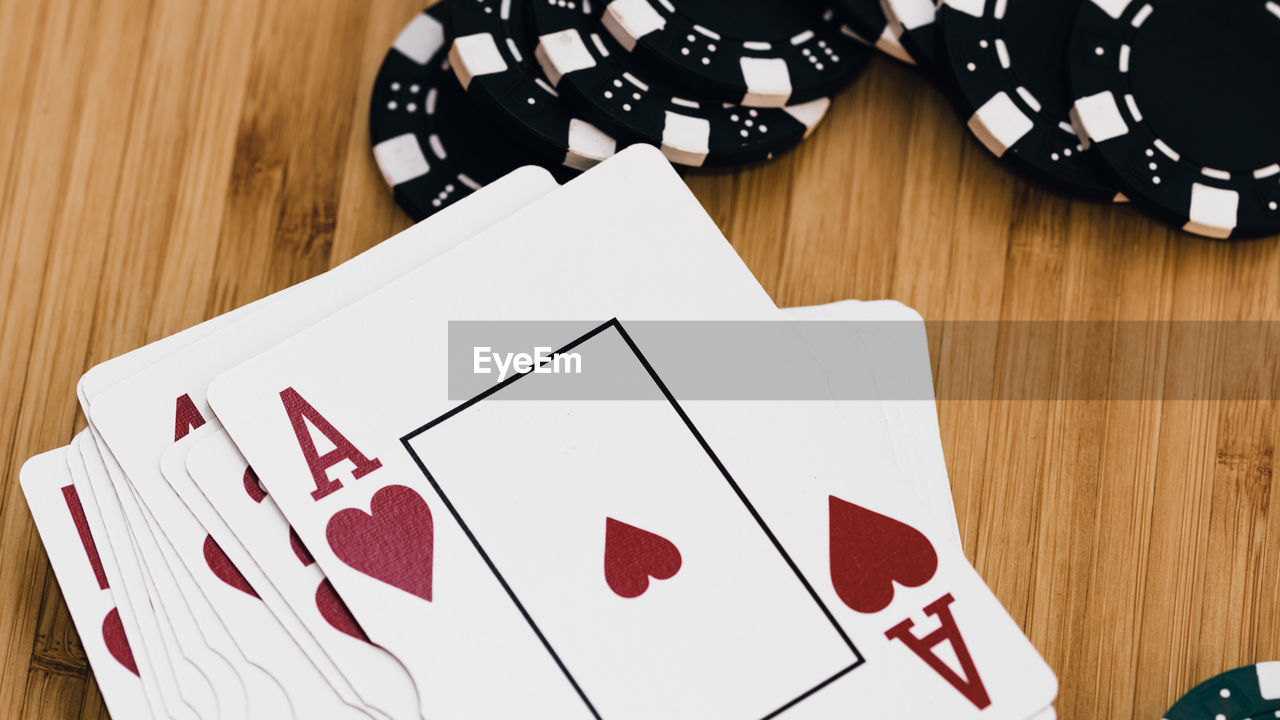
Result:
pixel 73 552
pixel 912 423
pixel 240 516
pixel 361 379
pixel 179 685
pixel 262 641
pixel 318 417
pixel 161 401
pixel 644 571
pixel 937 642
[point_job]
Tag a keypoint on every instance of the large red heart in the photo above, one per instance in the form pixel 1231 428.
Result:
pixel 632 556
pixel 869 552
pixel 393 542
pixel 117 643
pixel 222 566
pixel 335 612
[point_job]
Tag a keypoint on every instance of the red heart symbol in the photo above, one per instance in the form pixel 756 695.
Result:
pixel 393 542
pixel 335 612
pixel 632 556
pixel 222 566
pixel 869 552
pixel 252 486
pixel 295 542
pixel 117 643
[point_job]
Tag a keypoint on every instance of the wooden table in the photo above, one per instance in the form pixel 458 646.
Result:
pixel 166 161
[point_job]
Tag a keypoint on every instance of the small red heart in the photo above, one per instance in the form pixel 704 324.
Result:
pixel 869 552
pixel 117 643
pixel 222 566
pixel 335 612
pixel 632 556
pixel 393 542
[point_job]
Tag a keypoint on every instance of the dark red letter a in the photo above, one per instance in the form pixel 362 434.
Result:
pixel 186 418
pixel 300 413
pixel 971 684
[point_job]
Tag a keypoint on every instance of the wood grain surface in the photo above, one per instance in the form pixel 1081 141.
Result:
pixel 167 160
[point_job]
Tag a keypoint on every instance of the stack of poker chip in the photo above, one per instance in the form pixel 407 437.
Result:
pixel 1165 103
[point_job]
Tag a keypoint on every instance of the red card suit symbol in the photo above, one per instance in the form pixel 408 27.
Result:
pixel 335 612
pixel 632 556
pixel 222 566
pixel 870 552
pixel 117 643
pixel 295 542
pixel 252 486
pixel 393 542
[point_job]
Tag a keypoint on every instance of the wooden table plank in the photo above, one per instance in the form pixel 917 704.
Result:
pixel 168 160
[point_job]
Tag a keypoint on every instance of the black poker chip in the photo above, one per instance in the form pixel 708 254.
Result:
pixel 913 22
pixel 866 18
pixel 431 145
pixel 1180 98
pixel 767 53
pixel 1251 692
pixel 636 104
pixel 492 56
pixel 1008 61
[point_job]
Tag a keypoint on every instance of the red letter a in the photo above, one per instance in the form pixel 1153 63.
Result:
pixel 971 684
pixel 300 413
pixel 186 418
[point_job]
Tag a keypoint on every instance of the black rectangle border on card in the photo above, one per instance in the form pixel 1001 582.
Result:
pixel 615 325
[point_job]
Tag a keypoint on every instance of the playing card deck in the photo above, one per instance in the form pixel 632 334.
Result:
pixel 284 512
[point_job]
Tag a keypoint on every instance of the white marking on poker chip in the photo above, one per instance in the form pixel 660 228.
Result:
pixel 635 81
pixel 707 32
pixel 1000 123
pixel 1028 98
pixel 757 45
pixel 801 38
pixel 809 113
pixel 560 53
pixel 600 46
pixel 475 55
pixel 588 145
pixel 692 104
pixel 542 83
pixel 1269 680
pixel 1213 211
pixel 1169 152
pixel 1215 173
pixel 969 7
pixel 1114 8
pixel 911 14
pixel 1124 58
pixel 1002 53
pixel 432 96
pixel 1132 103
pixel 437 146
pixel 768 82
pixel 1099 116
pixel 401 159
pixel 1266 172
pixel 686 140
pixel 629 20
pixel 466 180
pixel 1142 16
pixel 420 39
